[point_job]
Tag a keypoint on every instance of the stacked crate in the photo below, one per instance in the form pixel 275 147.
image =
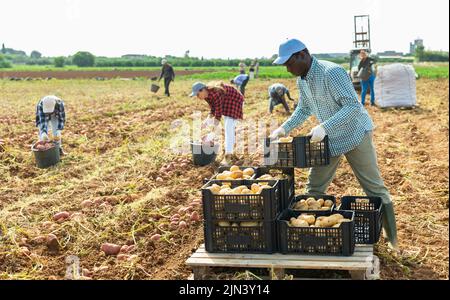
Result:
pixel 241 223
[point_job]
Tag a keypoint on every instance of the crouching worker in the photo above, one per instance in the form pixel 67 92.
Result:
pixel 277 93
pixel 226 101
pixel 50 111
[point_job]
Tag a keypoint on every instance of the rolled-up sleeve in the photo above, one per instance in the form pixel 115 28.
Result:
pixel 341 89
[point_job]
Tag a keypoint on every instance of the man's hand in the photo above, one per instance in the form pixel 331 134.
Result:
pixel 277 132
pixel 317 134
pixel 44 137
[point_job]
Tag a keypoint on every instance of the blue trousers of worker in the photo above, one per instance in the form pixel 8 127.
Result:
pixel 365 85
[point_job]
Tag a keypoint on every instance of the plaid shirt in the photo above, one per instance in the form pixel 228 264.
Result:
pixel 42 119
pixel 228 103
pixel 327 92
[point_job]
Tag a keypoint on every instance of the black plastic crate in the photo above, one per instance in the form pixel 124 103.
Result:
pixel 300 153
pixel 310 154
pixel 338 241
pixel 264 206
pixel 287 188
pixel 317 197
pixel 368 217
pixel 237 239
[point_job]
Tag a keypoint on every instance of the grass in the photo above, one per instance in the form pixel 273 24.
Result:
pixel 424 70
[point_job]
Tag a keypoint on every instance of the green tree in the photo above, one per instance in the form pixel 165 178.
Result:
pixel 83 59
pixel 419 53
pixel 35 54
pixel 59 62
pixel 4 63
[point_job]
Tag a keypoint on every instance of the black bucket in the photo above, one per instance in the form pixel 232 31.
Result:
pixel 47 158
pixel 154 88
pixel 203 154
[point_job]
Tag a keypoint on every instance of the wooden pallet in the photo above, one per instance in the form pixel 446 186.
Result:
pixel 361 265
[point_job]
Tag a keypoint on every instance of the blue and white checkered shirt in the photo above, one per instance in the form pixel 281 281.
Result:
pixel 42 118
pixel 327 92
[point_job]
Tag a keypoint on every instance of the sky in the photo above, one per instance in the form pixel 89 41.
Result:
pixel 216 28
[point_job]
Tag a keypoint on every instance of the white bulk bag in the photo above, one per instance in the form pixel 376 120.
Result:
pixel 395 86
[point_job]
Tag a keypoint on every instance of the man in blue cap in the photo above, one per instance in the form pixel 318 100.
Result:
pixel 326 91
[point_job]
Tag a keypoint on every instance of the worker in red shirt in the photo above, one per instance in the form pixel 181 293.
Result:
pixel 223 100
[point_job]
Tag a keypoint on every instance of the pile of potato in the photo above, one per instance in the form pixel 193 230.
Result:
pixel 43 146
pixel 226 189
pixel 306 220
pixel 239 224
pixel 273 177
pixel 235 173
pixel 287 139
pixel 313 204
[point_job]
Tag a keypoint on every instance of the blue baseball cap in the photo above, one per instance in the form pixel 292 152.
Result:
pixel 287 49
pixel 196 87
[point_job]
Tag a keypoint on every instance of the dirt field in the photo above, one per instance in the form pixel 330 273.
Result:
pixel 117 135
pixel 71 74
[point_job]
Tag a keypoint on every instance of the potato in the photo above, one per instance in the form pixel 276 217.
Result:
pixel 287 139
pixel 215 189
pixel 302 201
pixel 237 174
pixel 249 224
pixel 344 220
pixel 61 216
pixel 235 225
pixel 221 176
pixel 321 202
pixel 246 176
pixel 301 206
pixel 234 168
pixel 110 249
pixel 299 223
pixel 336 225
pixel 226 173
pixel 223 224
pixel 155 237
pixel 266 186
pixel 249 172
pixel 195 217
pixel 325 208
pixel 314 206
pixel 225 191
pixel 328 203
pixel 255 188
pixel 291 219
pixel 308 218
pixel 311 200
pixel 246 191
pixel 182 224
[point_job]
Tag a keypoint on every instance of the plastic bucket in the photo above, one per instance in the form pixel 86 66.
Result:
pixel 47 158
pixel 203 154
pixel 154 88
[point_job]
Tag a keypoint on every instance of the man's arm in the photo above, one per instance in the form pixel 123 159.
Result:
pixel 41 121
pixel 301 113
pixel 341 88
pixel 289 95
pixel 61 116
pixel 162 73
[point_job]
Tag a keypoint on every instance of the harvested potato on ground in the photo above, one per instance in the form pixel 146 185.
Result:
pixel 110 249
